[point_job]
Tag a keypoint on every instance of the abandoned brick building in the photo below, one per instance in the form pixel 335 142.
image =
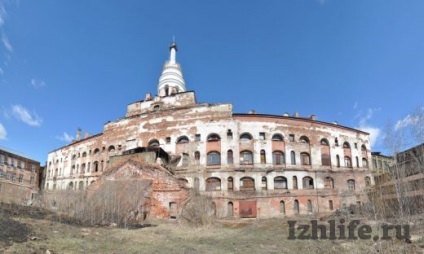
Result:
pixel 252 165
pixel 18 177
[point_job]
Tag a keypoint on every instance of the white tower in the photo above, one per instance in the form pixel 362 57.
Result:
pixel 171 80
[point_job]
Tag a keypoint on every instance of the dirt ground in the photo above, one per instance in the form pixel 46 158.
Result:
pixel 33 230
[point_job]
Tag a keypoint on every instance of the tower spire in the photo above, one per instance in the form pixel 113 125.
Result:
pixel 171 80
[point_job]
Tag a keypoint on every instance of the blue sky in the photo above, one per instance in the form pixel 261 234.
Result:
pixel 69 64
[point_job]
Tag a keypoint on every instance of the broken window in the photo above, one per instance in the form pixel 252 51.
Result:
pixel 328 183
pixel 185 160
pixel 263 157
pixel 229 134
pixel 364 163
pixel 351 184
pixel 214 158
pixel 213 137
pixel 296 206
pixel 295 182
pixel 197 155
pixel 168 140
pixel 230 183
pixel 330 205
pixel 213 184
pixel 246 158
pixel 280 182
pixel 293 158
pixel 182 140
pixel 230 159
pixel 308 182
pixel 278 158
pixel 277 137
pixel 367 181
pixel 338 160
pixel 348 162
pixel 291 137
pixel 282 207
pixel 261 135
pixel 305 159
pixel 304 139
pixel 264 183
pixel 197 137
pixel 245 137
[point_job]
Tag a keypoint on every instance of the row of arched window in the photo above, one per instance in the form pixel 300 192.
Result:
pixel 278 158
pixel 248 137
pixel 280 182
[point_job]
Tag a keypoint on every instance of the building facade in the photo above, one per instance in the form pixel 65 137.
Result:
pixel 19 177
pixel 252 165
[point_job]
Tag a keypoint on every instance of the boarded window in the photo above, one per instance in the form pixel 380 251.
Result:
pixel 230 158
pixel 278 158
pixel 263 157
pixel 214 158
pixel 247 183
pixel 230 184
pixel 246 158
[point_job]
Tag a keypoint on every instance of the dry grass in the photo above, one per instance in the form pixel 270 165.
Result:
pixel 247 236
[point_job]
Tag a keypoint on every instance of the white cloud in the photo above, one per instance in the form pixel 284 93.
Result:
pixel 406 121
pixel 373 131
pixel 65 137
pixel 3 132
pixel 38 83
pixel 25 116
pixel 2 14
pixel 6 43
pixel 365 126
pixel 355 106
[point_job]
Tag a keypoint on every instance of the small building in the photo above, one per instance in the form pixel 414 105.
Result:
pixel 19 177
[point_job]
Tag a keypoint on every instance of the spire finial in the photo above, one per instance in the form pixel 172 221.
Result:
pixel 173 50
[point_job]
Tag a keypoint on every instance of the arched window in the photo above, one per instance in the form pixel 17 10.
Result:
pixel 230 209
pixel 328 183
pixel 264 183
pixel 293 158
pixel 230 184
pixel 309 206
pixel 351 184
pixel 330 205
pixel 277 137
pixel 246 158
pixel 110 149
pixel 367 181
pixel 280 182
pixel 325 152
pixel 153 143
pixel 96 166
pixel 83 168
pixel 183 182
pixel 88 167
pixel 364 163
pixel 278 158
pixel 263 156
pixel 246 137
pixel 308 182
pixel 214 158
pixel 230 158
pixel 81 185
pixel 196 184
pixel 213 184
pixel 296 206
pixel 357 161
pixel 348 162
pixel 84 154
pixel 185 160
pixel 304 139
pixel 96 151
pixel 346 145
pixel 71 186
pixel 213 138
pixel 295 182
pixel 338 161
pixel 305 159
pixel 197 155
pixel 247 183
pixel 282 207
pixel 182 140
